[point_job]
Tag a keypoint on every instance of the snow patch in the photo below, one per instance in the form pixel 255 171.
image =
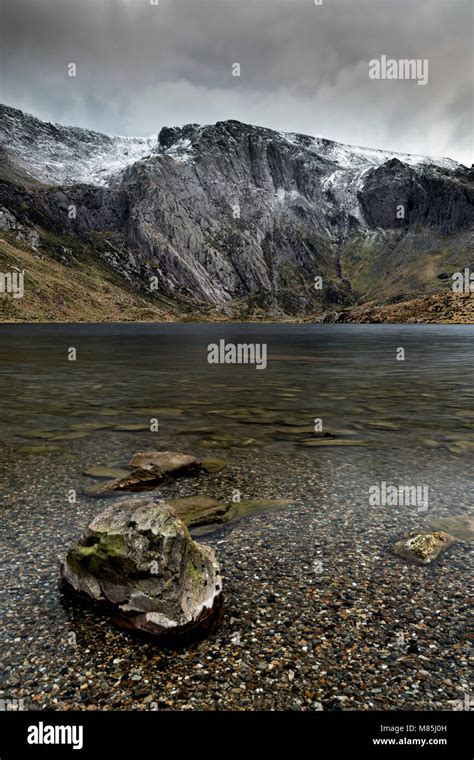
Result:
pixel 101 168
pixel 355 156
pixel 59 155
pixel 351 163
pixel 282 195
pixel 181 151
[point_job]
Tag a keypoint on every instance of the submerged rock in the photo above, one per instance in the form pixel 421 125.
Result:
pixel 202 510
pixel 150 469
pixel 103 471
pixel 39 449
pixel 214 465
pixel 173 463
pixel 423 548
pixel 43 434
pixel 207 514
pixel 138 560
pixel 139 479
pixel 458 526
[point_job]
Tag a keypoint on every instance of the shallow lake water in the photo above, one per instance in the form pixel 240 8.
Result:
pixel 318 610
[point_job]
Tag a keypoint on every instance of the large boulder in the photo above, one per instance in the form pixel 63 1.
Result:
pixel 138 559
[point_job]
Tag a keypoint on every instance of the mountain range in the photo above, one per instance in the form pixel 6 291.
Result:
pixel 225 221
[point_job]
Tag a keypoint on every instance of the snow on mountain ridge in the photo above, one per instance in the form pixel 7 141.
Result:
pixel 352 163
pixel 60 155
pixel 351 156
pixel 181 151
pixel 125 152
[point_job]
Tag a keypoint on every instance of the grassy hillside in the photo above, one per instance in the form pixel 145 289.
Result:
pixel 81 287
pixel 399 267
pixel 82 290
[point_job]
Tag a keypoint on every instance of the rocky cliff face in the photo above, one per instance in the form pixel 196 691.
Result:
pixel 236 214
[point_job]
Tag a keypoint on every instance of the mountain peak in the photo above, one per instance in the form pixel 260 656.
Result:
pixel 63 155
pixel 235 211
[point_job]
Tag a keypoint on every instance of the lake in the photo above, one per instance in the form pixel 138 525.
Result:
pixel 318 611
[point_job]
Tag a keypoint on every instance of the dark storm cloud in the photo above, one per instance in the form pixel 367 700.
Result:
pixel 303 67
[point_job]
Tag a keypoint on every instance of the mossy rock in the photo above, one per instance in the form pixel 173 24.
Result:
pixel 454 449
pixel 137 560
pixel 103 554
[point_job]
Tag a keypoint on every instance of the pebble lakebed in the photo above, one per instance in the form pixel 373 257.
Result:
pixel 318 613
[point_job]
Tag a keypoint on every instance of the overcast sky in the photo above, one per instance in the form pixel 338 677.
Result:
pixel 304 68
